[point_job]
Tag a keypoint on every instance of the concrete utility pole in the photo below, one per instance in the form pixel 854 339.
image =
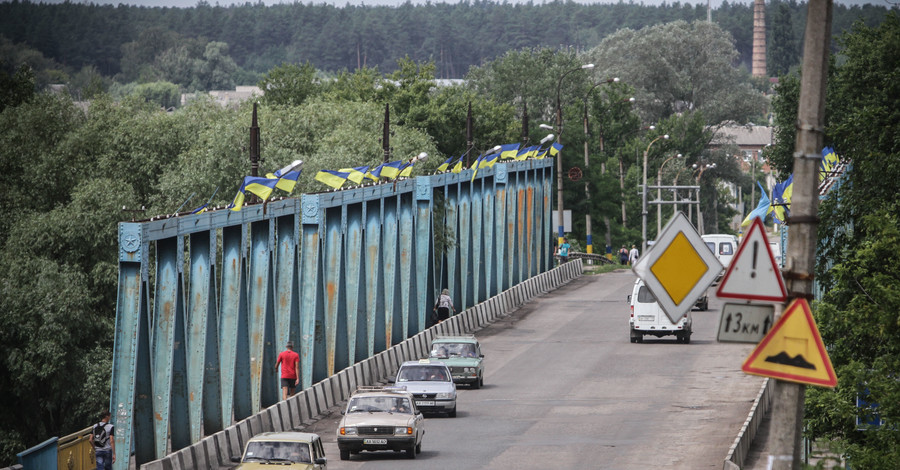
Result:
pixel 800 263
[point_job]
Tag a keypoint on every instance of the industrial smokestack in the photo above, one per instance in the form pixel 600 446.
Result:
pixel 758 68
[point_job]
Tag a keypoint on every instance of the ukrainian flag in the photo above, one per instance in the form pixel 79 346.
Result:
pixel 406 170
pixel 458 167
pixel 528 152
pixel 828 163
pixel 555 149
pixel 257 185
pixel 762 209
pixel 356 173
pixel 287 176
pixel 509 151
pixel 781 199
pixel 391 170
pixel 489 160
pixel 375 174
pixel 335 179
pixel 444 166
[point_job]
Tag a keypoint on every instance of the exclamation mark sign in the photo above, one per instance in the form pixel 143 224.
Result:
pixel 755 252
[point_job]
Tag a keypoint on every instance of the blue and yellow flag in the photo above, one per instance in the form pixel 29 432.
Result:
pixel 828 163
pixel 555 149
pixel 257 185
pixel 458 167
pixel 391 170
pixel 528 152
pixel 356 174
pixel 781 199
pixel 332 178
pixel 489 160
pixel 444 166
pixel 406 170
pixel 762 209
pixel 287 176
pixel 509 151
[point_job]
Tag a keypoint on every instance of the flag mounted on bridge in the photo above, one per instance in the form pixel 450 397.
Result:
pixel 332 178
pixel 257 185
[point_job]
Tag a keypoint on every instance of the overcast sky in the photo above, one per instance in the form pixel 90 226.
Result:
pixel 191 3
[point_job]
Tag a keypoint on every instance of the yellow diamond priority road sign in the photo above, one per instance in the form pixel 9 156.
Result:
pixel 679 268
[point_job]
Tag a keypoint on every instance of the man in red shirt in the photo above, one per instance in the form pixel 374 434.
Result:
pixel 290 364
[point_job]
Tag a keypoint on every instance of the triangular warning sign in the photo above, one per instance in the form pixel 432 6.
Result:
pixel 793 350
pixel 753 274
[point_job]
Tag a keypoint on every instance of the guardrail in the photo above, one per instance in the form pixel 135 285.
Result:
pixel 309 405
pixel 741 447
pixel 591 256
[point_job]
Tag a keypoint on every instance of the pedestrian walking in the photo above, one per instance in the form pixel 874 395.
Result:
pixel 563 251
pixel 623 255
pixel 443 306
pixel 633 255
pixel 103 440
pixel 290 366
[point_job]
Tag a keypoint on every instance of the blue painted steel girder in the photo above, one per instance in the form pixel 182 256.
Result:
pixel 374 245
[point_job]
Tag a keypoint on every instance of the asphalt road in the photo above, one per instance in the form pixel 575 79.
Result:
pixel 565 389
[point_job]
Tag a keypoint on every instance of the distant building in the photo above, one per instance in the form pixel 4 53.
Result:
pixel 228 98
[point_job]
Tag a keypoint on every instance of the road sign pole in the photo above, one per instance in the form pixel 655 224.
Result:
pixel 787 410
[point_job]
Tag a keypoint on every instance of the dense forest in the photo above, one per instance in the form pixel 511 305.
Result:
pixel 140 44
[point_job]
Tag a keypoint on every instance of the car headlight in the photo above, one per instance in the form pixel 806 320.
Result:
pixel 403 431
pixel 444 395
pixel 348 431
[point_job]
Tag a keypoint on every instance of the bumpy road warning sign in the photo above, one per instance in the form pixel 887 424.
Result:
pixel 793 350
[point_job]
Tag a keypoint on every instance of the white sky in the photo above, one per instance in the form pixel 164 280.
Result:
pixel 191 3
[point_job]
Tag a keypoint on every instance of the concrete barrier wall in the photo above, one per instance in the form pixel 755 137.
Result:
pixel 741 447
pixel 307 406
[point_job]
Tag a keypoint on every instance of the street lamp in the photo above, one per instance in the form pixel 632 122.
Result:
pixel 644 193
pixel 587 191
pixel 559 169
pixel 659 194
pixel 699 169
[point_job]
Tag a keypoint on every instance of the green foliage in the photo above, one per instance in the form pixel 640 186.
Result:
pixel 163 94
pixel 680 66
pixel 289 84
pixel 17 88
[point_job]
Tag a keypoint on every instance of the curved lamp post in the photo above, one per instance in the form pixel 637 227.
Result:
pixel 659 194
pixel 644 193
pixel 559 178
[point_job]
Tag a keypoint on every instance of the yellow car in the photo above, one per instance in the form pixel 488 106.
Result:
pixel 287 450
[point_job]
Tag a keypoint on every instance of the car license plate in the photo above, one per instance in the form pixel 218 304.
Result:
pixel 424 403
pixel 375 441
pixel 646 317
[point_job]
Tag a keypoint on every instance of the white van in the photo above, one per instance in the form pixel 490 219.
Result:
pixel 724 246
pixel 648 318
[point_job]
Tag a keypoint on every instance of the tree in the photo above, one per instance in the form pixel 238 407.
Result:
pixel 289 84
pixel 681 66
pixel 858 269
pixel 783 50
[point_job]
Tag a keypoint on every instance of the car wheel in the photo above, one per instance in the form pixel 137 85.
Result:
pixel 419 448
pixel 639 339
pixel 345 455
pixel 481 382
pixel 477 383
pixel 411 452
pixel 452 413
pixel 687 338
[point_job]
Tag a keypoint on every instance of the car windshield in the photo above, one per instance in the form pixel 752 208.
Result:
pixel 379 405
pixel 422 374
pixel 277 451
pixel 445 350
